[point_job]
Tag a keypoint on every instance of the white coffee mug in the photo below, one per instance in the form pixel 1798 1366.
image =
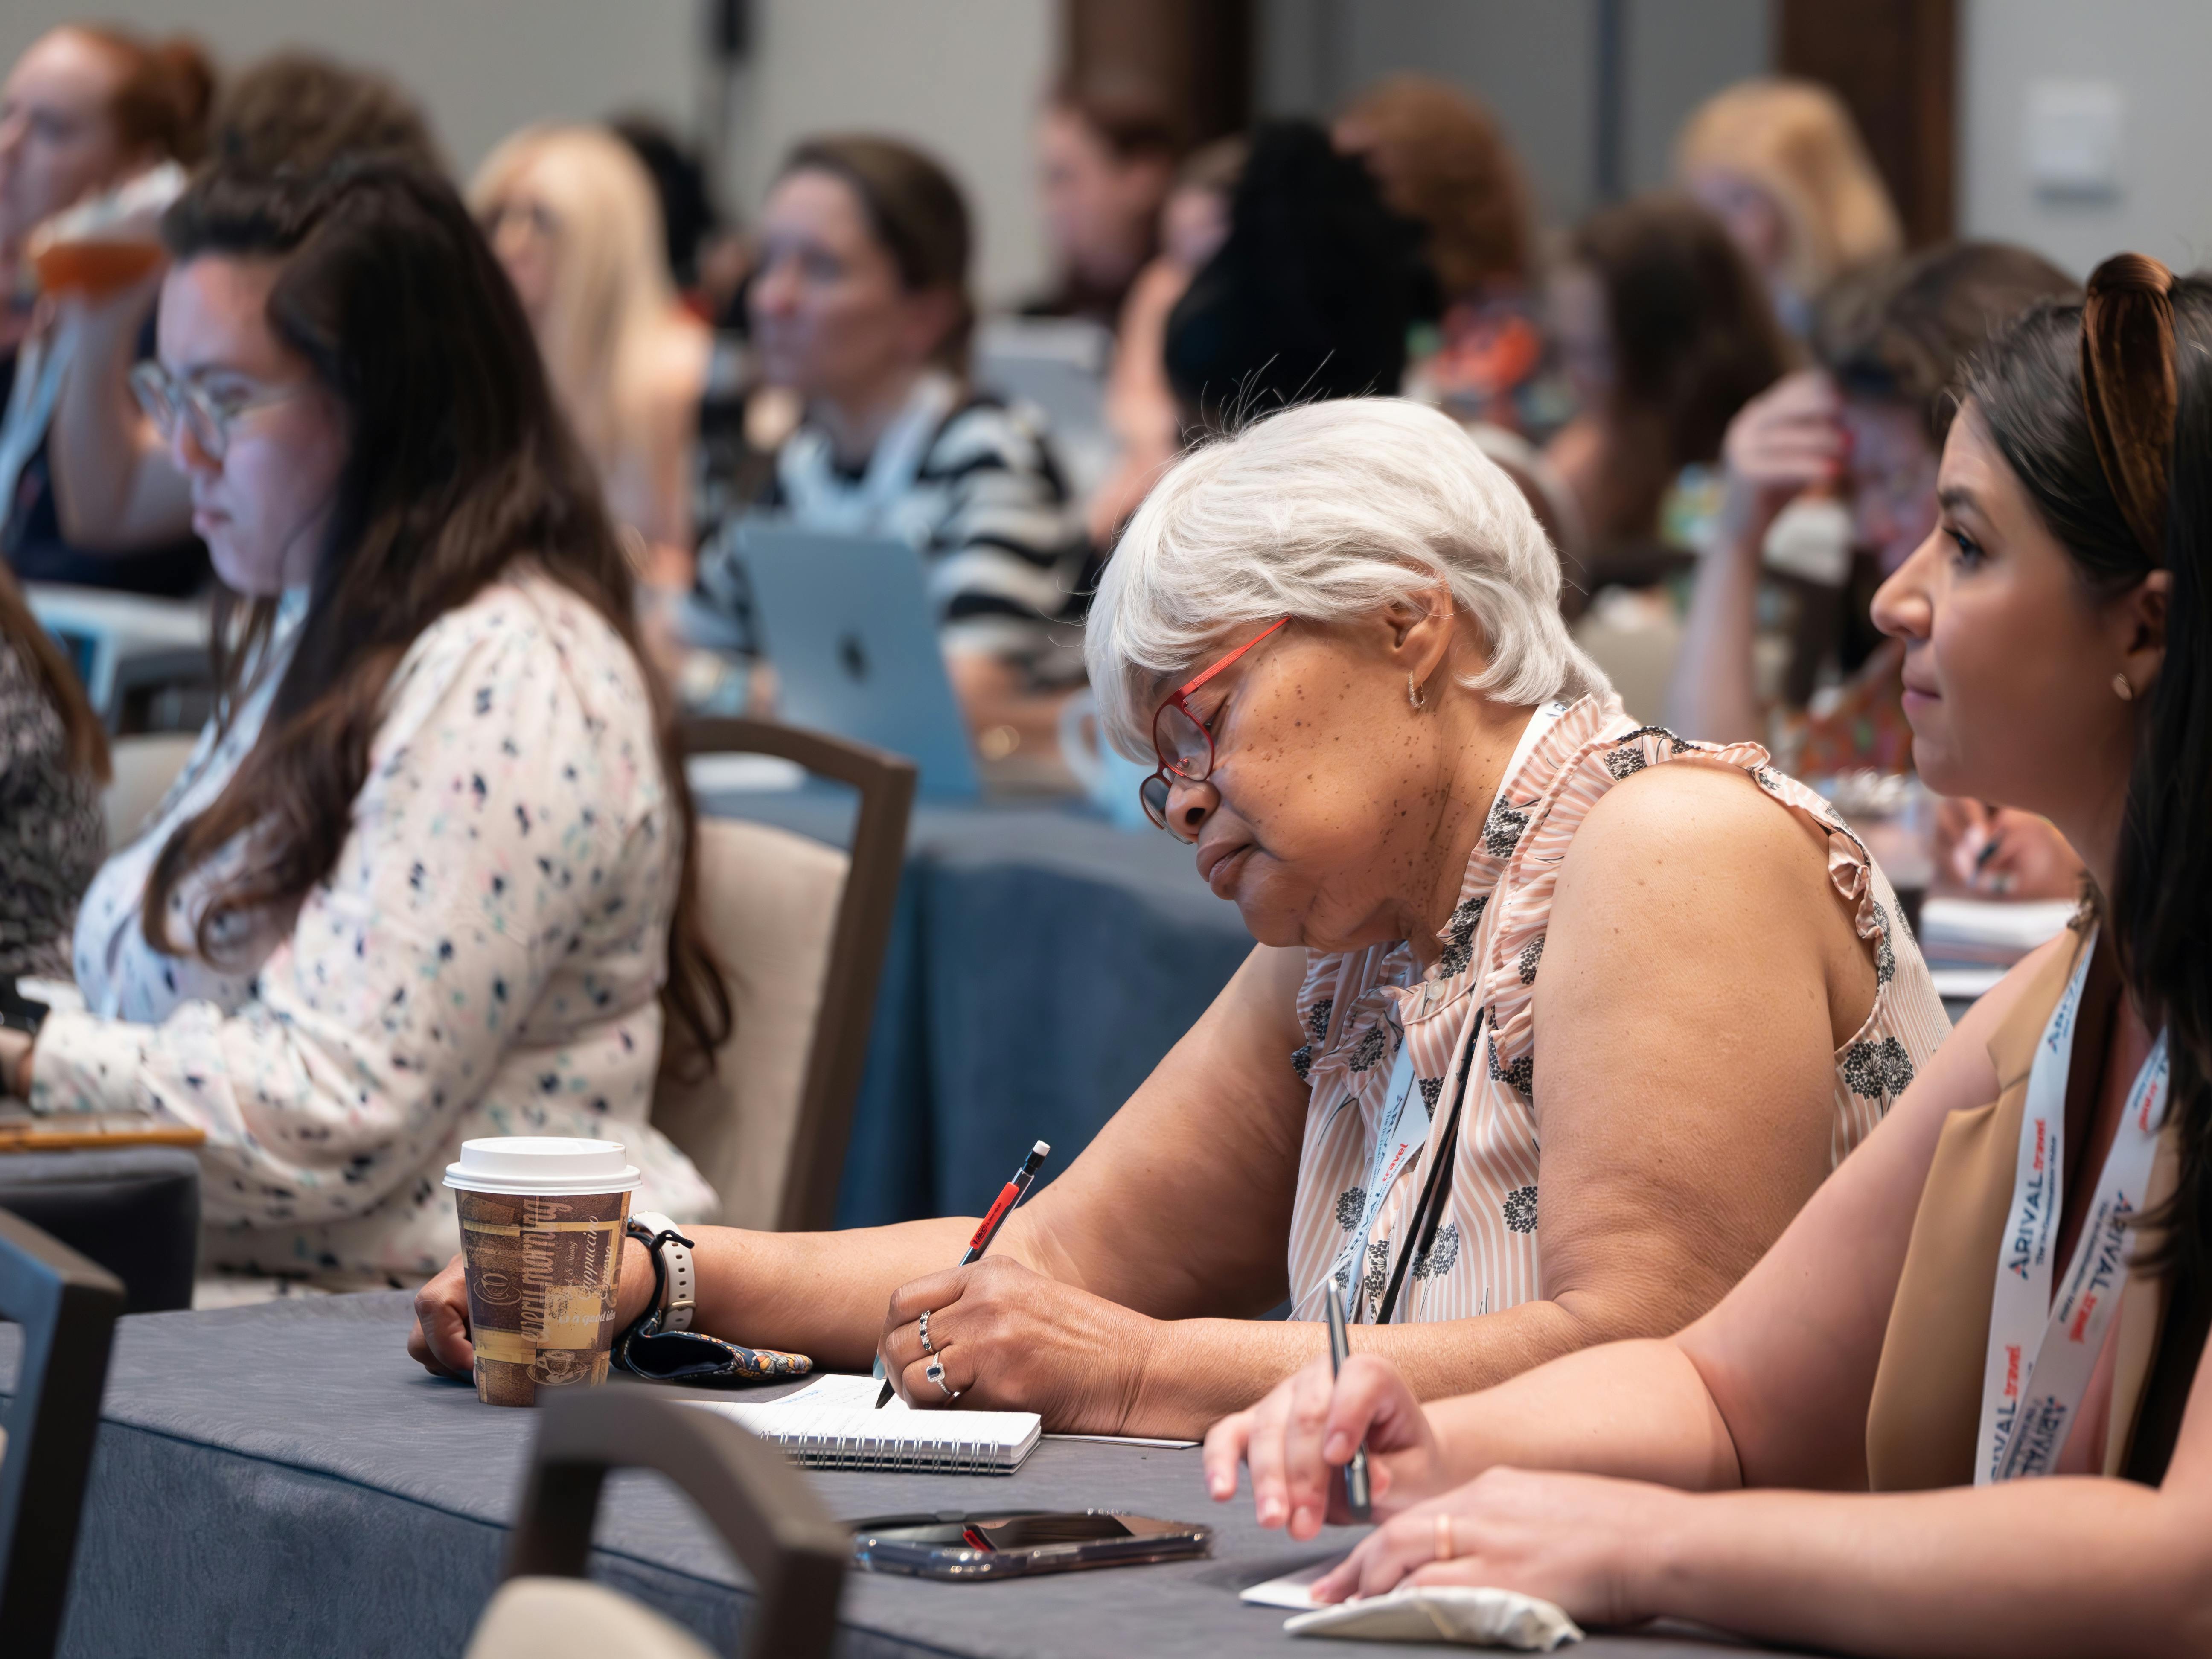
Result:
pixel 1109 779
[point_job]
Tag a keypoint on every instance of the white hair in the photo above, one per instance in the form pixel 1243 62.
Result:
pixel 1328 512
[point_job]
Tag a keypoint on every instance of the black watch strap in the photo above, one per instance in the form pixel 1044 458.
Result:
pixel 692 1357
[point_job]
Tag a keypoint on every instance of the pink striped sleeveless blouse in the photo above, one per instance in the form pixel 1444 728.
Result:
pixel 1484 1253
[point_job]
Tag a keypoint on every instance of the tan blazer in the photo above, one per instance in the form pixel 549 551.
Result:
pixel 1927 1403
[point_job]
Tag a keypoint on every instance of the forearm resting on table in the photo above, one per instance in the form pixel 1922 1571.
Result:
pixel 1202 1369
pixel 819 1294
pixel 1638 1410
pixel 2063 1566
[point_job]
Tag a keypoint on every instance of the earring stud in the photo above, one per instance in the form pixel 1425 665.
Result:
pixel 2122 689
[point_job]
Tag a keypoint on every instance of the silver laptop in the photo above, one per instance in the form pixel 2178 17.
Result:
pixel 850 626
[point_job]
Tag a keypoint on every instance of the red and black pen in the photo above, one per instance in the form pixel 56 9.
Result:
pixel 1001 1207
pixel 1009 1195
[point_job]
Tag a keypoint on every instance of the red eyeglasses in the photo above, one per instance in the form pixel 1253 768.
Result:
pixel 1181 742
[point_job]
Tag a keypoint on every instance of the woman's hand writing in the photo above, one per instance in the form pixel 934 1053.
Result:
pixel 1013 1339
pixel 2000 852
pixel 1587 1543
pixel 1305 1431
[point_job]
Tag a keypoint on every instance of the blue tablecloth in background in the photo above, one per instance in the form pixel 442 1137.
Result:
pixel 1042 964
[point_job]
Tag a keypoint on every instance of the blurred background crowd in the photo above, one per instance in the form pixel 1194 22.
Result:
pixel 1697 273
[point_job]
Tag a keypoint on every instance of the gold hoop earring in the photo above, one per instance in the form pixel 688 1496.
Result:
pixel 2122 689
pixel 1413 693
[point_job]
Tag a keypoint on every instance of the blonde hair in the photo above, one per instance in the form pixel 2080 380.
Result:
pixel 1797 143
pixel 611 296
pixel 1328 512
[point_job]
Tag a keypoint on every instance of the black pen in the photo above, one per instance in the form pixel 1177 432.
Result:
pixel 1009 1195
pixel 1340 1349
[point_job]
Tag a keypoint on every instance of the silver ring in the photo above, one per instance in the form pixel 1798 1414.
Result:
pixel 924 1326
pixel 936 1374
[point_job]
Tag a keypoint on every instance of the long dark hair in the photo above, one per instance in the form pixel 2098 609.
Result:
pixel 1694 338
pixel 458 464
pixel 1309 297
pixel 2114 461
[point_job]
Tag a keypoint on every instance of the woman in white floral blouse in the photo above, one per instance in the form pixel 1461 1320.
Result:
pixel 422 878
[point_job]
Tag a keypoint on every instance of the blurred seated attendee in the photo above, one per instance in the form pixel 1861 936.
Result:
pixel 689 222
pixel 54 759
pixel 84 112
pixel 1310 295
pixel 1141 409
pixel 572 214
pixel 1337 634
pixel 1962 1407
pixel 1106 158
pixel 292 110
pixel 862 308
pixel 741 422
pixel 1780 162
pixel 1865 427
pixel 425 876
pixel 303 110
pixel 1664 332
pixel 1444 163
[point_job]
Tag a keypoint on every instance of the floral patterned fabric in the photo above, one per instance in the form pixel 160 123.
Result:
pixel 483 959
pixel 1355 1005
pixel 51 835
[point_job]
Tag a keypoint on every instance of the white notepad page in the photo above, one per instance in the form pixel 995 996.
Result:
pixel 832 1422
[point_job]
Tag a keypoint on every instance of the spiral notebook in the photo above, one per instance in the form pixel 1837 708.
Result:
pixel 832 1423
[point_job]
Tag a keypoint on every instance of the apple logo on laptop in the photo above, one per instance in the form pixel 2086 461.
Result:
pixel 855 659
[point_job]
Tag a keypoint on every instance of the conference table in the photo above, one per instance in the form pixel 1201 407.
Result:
pixel 281 1479
pixel 1042 962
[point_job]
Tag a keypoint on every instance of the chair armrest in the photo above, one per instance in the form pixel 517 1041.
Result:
pixel 762 1506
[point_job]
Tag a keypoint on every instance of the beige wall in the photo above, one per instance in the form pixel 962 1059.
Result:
pixel 2155 53
pixel 959 76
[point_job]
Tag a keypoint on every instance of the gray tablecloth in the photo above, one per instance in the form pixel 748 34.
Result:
pixel 282 1481
pixel 1043 963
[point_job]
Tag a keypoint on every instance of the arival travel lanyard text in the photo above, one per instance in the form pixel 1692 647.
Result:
pixel 2042 1348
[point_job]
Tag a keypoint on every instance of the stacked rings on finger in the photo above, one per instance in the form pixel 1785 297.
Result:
pixel 1443 1537
pixel 924 1325
pixel 936 1374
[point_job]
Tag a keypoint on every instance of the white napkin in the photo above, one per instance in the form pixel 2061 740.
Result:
pixel 1456 1612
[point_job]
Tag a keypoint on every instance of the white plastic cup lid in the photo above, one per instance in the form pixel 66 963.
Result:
pixel 542 1166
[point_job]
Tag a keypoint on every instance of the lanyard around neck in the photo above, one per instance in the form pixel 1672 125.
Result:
pixel 2044 1347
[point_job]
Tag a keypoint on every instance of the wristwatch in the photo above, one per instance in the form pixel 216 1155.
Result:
pixel 659 1345
pixel 675 1281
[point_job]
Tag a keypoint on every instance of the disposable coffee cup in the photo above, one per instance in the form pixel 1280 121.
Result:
pixel 542 1224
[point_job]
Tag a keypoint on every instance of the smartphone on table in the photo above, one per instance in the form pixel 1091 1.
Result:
pixel 1013 1543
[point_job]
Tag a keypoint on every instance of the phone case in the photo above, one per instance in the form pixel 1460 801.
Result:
pixel 1171 1542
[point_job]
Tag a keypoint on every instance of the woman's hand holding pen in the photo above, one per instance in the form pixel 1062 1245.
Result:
pixel 2000 852
pixel 1594 1546
pixel 1013 1339
pixel 1299 1438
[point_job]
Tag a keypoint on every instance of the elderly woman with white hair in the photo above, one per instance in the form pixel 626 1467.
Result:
pixel 1512 944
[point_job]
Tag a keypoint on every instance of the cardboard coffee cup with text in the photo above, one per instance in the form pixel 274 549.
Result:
pixel 542 1224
